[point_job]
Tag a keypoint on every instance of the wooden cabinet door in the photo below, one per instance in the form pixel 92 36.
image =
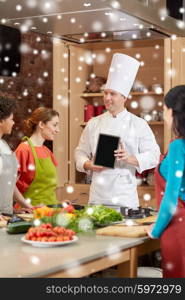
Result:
pixel 76 193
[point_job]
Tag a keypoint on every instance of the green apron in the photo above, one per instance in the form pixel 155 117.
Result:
pixel 42 188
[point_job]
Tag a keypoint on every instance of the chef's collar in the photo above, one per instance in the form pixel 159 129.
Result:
pixel 120 115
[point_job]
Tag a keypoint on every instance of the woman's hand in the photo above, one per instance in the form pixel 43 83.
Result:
pixel 149 230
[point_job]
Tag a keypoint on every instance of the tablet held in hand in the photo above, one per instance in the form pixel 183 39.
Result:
pixel 106 146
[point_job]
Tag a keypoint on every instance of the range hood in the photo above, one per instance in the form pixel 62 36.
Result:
pixel 83 21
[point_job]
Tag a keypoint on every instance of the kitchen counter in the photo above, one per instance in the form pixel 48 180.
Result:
pixel 88 255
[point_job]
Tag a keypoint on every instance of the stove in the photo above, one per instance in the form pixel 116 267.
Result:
pixel 139 213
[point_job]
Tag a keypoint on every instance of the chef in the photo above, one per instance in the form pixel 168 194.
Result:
pixel 138 149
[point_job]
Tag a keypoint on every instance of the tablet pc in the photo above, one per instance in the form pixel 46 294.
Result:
pixel 106 146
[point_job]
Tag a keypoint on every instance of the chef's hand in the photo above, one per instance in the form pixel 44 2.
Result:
pixel 90 166
pixel 121 153
pixel 149 230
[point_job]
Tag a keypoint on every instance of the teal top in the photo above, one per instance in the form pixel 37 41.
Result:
pixel 172 169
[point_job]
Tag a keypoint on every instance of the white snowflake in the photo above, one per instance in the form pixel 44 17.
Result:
pixel 69 189
pixel 147 197
pixel 35 260
pixel 179 173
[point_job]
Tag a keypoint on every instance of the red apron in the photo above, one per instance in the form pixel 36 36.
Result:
pixel 173 238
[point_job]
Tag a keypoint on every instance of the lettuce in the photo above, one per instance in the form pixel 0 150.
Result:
pixel 100 214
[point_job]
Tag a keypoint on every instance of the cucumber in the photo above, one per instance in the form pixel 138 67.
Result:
pixel 18 227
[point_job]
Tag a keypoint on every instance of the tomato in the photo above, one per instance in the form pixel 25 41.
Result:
pixel 39 239
pixel 52 239
pixel 59 238
pixel 37 234
pixel 61 230
pixel 65 238
pixel 43 226
pixel 44 239
pixel 48 225
pixel 69 232
pixel 55 229
pixel 31 234
pixel 27 236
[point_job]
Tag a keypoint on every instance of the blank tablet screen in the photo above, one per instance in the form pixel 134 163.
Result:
pixel 106 146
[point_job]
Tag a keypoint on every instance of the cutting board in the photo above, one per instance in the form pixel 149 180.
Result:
pixel 26 217
pixel 123 231
pixel 150 219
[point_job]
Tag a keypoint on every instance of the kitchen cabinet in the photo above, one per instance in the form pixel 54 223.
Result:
pixel 161 62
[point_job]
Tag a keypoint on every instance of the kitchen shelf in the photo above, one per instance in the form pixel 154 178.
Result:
pixel 147 93
pixel 91 95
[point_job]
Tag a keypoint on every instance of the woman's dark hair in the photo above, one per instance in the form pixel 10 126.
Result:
pixel 7 107
pixel 175 99
pixel 41 114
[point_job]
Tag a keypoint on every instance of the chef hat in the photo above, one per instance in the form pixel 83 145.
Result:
pixel 122 73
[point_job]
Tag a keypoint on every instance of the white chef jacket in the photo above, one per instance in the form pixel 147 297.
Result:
pixel 118 187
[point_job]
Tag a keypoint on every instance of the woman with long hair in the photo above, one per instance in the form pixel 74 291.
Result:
pixel 37 165
pixel 170 189
pixel 8 162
